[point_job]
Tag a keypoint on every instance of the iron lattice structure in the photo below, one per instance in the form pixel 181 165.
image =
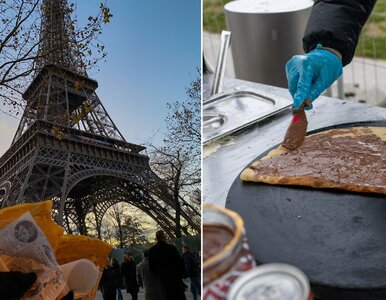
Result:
pixel 67 148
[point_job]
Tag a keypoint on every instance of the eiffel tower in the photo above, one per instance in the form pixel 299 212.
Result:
pixel 67 148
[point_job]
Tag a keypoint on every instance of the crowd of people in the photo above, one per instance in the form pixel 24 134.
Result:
pixel 160 273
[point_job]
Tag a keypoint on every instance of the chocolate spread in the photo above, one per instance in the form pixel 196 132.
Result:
pixel 347 159
pixel 296 132
pixel 216 237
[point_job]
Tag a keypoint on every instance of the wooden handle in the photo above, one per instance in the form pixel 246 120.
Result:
pixel 306 103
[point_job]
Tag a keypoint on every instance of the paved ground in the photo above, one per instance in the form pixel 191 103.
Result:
pixel 141 295
pixel 364 79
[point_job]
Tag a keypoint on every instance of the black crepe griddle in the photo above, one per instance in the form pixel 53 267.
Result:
pixel 338 238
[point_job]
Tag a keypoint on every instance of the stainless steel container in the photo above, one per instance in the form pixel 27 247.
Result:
pixel 265 35
pixel 225 113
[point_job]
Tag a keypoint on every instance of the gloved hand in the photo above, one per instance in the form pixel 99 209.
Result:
pixel 14 284
pixel 310 74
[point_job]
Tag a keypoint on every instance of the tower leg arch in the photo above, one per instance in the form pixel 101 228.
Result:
pixel 96 191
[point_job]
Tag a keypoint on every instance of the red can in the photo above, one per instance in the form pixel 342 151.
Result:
pixel 226 252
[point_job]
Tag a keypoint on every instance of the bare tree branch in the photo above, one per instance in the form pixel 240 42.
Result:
pixel 23 49
pixel 178 160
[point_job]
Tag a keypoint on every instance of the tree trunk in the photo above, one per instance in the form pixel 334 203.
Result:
pixel 81 217
pixel 177 203
pixel 120 232
pixel 97 224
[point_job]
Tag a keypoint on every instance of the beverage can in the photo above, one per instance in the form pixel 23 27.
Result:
pixel 274 281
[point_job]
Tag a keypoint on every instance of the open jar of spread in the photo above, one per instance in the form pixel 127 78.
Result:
pixel 226 252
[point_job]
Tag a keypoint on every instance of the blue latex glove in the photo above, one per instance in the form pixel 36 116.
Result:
pixel 310 74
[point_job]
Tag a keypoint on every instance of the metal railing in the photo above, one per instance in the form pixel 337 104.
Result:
pixel 364 79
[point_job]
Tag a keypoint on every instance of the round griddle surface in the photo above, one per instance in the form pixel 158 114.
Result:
pixel 337 238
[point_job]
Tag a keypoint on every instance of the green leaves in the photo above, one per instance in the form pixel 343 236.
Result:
pixel 106 13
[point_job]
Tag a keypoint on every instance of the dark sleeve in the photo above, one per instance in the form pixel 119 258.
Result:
pixel 123 269
pixel 153 261
pixel 103 278
pixel 139 277
pixel 133 270
pixel 337 24
pixel 190 265
pixel 14 284
pixel 179 263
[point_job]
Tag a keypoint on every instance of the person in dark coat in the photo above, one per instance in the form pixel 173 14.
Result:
pixel 108 283
pixel 329 41
pixel 129 273
pixel 118 277
pixel 166 262
pixel 148 280
pixel 193 271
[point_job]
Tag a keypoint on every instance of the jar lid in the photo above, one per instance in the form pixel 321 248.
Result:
pixel 267 6
pixel 274 281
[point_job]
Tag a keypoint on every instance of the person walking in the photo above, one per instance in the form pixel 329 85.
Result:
pixel 166 263
pixel 148 280
pixel 193 271
pixel 118 277
pixel 108 283
pixel 128 270
pixel 329 41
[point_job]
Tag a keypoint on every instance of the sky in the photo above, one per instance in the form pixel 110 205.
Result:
pixel 154 49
